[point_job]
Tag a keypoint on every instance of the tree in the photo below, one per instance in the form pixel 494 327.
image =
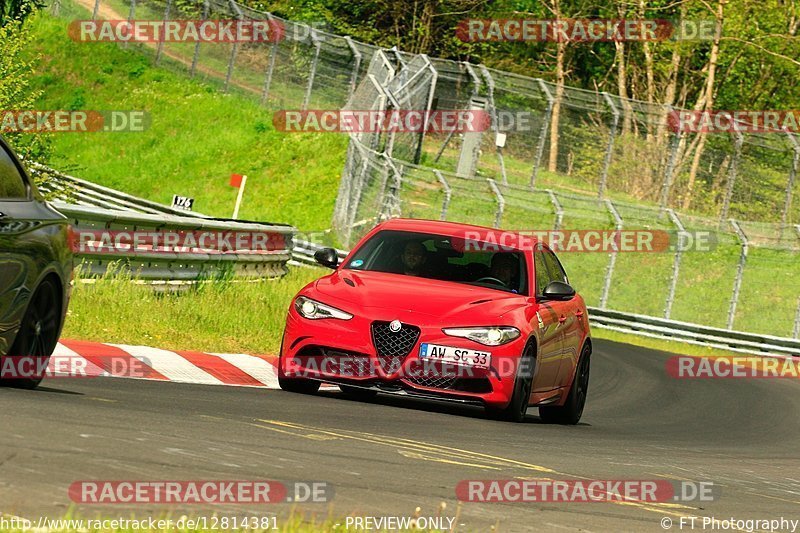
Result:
pixel 18 10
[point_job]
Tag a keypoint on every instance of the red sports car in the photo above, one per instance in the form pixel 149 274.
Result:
pixel 446 311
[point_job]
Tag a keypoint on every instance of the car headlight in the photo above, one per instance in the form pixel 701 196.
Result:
pixel 490 336
pixel 314 310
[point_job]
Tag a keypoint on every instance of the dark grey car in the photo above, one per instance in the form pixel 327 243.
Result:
pixel 35 271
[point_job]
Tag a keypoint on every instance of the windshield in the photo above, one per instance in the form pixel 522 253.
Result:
pixel 440 257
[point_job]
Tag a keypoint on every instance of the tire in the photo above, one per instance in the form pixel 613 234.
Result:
pixel 570 413
pixel 298 385
pixel 518 406
pixel 358 393
pixel 38 331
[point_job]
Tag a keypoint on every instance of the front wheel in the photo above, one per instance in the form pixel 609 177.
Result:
pixel 518 406
pixel 570 413
pixel 38 334
pixel 298 385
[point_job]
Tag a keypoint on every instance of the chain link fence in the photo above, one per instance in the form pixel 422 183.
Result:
pixel 584 159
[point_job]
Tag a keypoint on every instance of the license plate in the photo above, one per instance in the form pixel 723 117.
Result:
pixel 451 354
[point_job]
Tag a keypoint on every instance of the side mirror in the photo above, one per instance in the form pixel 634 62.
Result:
pixel 558 290
pixel 327 257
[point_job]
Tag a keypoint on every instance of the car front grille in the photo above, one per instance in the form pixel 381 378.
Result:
pixel 393 347
pixel 475 384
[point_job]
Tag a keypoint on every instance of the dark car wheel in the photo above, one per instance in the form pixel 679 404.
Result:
pixel 518 406
pixel 299 385
pixel 358 393
pixel 571 411
pixel 38 332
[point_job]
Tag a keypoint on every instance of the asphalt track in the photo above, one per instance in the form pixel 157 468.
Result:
pixel 391 455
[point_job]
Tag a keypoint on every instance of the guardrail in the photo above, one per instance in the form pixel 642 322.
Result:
pixel 99 208
pixel 686 332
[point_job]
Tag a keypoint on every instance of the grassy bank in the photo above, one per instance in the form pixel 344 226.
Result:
pixel 197 136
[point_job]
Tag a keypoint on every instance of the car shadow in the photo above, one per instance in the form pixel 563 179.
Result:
pixel 432 406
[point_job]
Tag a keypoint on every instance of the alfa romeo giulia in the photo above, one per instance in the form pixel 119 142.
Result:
pixel 446 311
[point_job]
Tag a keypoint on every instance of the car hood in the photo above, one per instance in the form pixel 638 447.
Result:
pixel 447 300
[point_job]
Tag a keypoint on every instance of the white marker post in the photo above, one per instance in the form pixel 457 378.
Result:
pixel 239 197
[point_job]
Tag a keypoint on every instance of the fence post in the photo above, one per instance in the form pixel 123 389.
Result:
pixel 737 283
pixel 448 193
pixel 392 199
pixel 796 329
pixel 490 84
pixel 537 160
pixel 732 171
pixel 501 202
pixel 273 55
pixel 356 66
pixel 612 260
pixel 476 81
pixel 160 47
pixel 131 16
pixel 313 71
pixel 787 204
pixel 428 106
pixel 676 262
pixel 96 9
pixel 669 169
pixel 559 211
pixel 234 49
pixel 610 147
pixel 358 179
pixel 341 207
pixel 196 54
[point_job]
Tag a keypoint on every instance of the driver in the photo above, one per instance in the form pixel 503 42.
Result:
pixel 504 267
pixel 413 258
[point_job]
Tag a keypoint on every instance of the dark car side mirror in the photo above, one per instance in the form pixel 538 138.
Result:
pixel 327 257
pixel 559 291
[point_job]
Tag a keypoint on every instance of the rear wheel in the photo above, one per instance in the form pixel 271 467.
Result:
pixel 518 406
pixel 38 333
pixel 358 393
pixel 570 413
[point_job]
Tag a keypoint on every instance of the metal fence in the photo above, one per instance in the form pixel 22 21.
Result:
pixel 749 279
pixel 585 160
pixel 577 140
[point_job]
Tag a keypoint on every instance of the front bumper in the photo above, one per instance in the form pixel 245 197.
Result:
pixel 344 352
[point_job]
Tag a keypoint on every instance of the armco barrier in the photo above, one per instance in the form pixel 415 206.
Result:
pixel 101 208
pixel 736 341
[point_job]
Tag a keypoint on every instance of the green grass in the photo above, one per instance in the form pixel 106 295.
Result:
pixel 246 317
pixel 197 136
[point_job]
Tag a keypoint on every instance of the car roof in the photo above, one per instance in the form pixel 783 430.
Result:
pixel 509 238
